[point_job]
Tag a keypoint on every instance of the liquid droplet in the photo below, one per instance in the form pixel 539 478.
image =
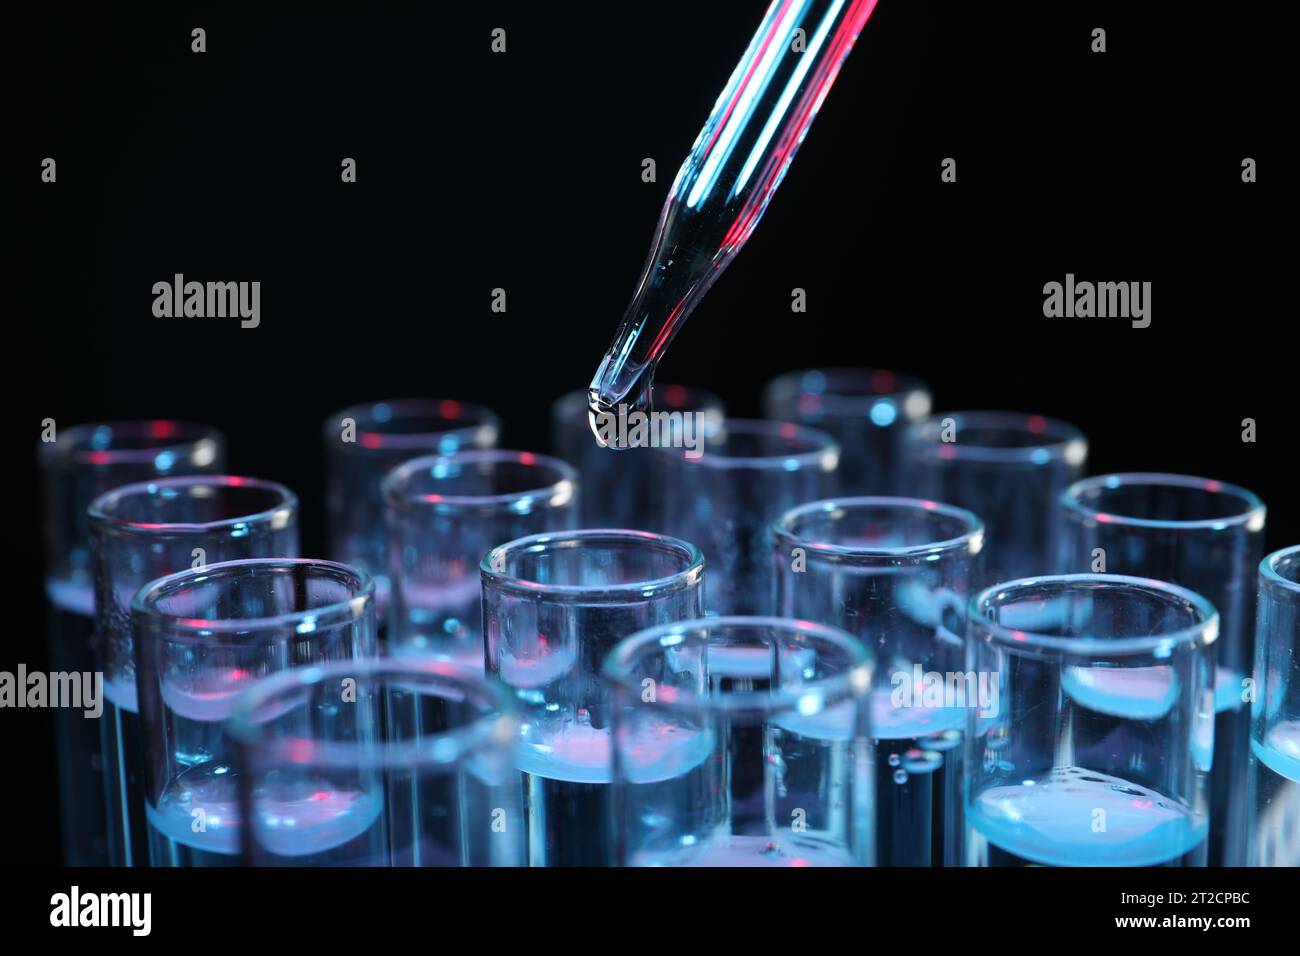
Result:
pixel 922 761
pixel 603 417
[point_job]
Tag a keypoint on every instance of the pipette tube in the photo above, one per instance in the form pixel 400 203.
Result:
pixel 725 184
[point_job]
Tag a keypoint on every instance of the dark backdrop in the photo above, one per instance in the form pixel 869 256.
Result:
pixel 522 171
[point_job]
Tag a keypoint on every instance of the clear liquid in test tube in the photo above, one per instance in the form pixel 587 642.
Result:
pixel 78 464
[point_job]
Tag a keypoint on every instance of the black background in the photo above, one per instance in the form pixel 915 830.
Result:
pixel 523 171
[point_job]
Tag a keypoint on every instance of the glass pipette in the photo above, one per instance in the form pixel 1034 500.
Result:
pixel 725 184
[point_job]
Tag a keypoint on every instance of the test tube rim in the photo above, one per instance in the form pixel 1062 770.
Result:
pixel 632 592
pixel 480 434
pixel 275 517
pixel 823 452
pixel 446 748
pixel 181 629
pixel 843 403
pixel 70 451
pixel 575 404
pixel 1201 634
pixel 1062 440
pixel 1269 575
pixel 556 494
pixel 971 541
pixel 853 682
pixel 1252 516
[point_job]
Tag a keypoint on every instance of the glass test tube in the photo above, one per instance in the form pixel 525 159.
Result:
pixel 77 466
pixel 742 741
pixel 362 444
pixel 867 411
pixel 554 605
pixel 1099 753
pixel 206 634
pixel 1274 788
pixel 1007 467
pixel 145 531
pixel 444 514
pixel 896 574
pixel 1208 537
pixel 749 474
pixel 625 494
pixel 416 756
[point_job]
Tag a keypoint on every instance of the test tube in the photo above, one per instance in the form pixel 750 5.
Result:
pixel 625 494
pixel 866 410
pixel 444 513
pixel 554 605
pixel 77 466
pixel 748 474
pixel 1099 753
pixel 206 634
pixel 741 742
pixel 1274 816
pixel 1007 467
pixel 414 756
pixel 362 444
pixel 896 574
pixel 145 531
pixel 1206 536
